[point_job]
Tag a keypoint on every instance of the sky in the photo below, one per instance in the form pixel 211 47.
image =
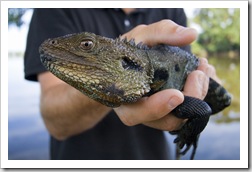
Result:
pixel 17 36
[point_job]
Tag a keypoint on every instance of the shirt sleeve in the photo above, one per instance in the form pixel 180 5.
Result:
pixel 179 16
pixel 45 23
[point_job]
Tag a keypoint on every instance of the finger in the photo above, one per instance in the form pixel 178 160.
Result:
pixel 203 63
pixel 150 108
pixel 171 33
pixel 196 84
pixel 208 69
pixel 162 32
pixel 167 123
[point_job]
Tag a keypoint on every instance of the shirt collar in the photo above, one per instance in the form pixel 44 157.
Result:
pixel 138 10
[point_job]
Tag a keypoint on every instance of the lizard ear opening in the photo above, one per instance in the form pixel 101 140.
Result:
pixel 129 64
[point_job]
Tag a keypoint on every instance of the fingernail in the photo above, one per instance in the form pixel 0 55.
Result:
pixel 173 102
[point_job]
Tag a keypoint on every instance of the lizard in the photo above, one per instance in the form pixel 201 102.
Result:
pixel 119 71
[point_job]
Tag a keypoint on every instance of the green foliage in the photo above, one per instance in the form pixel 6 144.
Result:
pixel 198 50
pixel 221 29
pixel 228 70
pixel 15 16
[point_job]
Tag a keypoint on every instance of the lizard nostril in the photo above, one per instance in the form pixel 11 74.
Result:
pixel 41 51
pixel 53 42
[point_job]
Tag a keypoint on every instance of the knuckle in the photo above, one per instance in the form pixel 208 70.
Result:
pixel 135 31
pixel 167 22
pixel 199 84
pixel 197 76
pixel 161 109
pixel 141 26
pixel 163 26
pixel 123 114
pixel 157 113
pixel 204 87
pixel 126 121
pixel 171 126
pixel 199 72
pixel 139 29
pixel 203 61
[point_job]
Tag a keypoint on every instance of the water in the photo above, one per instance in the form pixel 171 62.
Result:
pixel 29 140
pixel 219 141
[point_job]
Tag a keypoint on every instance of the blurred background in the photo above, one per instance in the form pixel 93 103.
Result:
pixel 219 41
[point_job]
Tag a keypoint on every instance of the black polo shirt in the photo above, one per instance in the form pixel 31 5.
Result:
pixel 110 139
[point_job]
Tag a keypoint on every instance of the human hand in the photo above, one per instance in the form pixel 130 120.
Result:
pixel 154 111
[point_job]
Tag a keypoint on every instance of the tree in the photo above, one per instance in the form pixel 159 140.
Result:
pixel 221 29
pixel 15 16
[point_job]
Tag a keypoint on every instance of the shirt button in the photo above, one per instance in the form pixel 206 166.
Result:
pixel 126 22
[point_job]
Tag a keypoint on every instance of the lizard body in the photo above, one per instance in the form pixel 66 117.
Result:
pixel 115 72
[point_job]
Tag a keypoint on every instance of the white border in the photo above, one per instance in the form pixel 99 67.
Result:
pixel 242 163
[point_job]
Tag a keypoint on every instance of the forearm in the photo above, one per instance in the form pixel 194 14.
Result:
pixel 67 112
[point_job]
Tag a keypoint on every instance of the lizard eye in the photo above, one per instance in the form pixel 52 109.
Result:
pixel 87 44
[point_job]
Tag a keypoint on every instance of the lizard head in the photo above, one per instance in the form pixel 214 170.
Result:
pixel 109 71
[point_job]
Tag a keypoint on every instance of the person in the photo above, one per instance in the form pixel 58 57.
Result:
pixel 82 128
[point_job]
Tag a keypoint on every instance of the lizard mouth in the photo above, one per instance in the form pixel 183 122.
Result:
pixel 45 57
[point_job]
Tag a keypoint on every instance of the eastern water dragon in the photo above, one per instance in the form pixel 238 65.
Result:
pixel 117 71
